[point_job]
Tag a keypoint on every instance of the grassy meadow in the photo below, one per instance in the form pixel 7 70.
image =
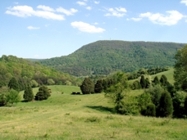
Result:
pixel 82 117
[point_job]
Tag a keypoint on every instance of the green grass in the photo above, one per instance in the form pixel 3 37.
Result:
pixel 82 117
pixel 168 74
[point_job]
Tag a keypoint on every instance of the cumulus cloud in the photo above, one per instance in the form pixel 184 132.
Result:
pixel 89 8
pixel 45 8
pixel 170 18
pixel 33 28
pixel 135 19
pixel 70 12
pixel 27 11
pixel 42 11
pixel 184 2
pixel 81 3
pixel 96 2
pixel 116 12
pixel 85 27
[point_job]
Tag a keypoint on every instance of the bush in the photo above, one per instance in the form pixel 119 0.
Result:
pixel 178 105
pixel 28 94
pixel 185 106
pixel 150 110
pixel 165 107
pixel 43 93
pixel 143 101
pixel 3 100
pixel 87 86
pixel 12 97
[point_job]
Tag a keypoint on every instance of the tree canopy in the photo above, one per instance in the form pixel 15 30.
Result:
pixel 180 73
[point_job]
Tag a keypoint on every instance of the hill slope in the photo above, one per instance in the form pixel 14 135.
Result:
pixel 11 66
pixel 103 57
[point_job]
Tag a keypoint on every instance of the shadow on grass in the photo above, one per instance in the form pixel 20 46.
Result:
pixel 102 108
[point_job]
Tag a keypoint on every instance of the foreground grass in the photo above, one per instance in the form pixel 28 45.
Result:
pixel 82 117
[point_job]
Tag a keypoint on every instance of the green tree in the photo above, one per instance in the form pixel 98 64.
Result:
pixel 150 110
pixel 87 86
pixel 185 106
pixel 33 83
pixel 165 107
pixel 50 81
pixel 13 84
pixel 98 86
pixel 143 101
pixel 156 81
pixel 180 71
pixel 12 97
pixel 3 99
pixel 136 85
pixel 43 93
pixel 142 82
pixel 178 105
pixel 147 83
pixel 163 81
pixel 28 94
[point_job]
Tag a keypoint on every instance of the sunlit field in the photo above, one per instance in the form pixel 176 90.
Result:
pixel 66 116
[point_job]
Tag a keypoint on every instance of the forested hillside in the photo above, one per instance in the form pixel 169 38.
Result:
pixel 24 71
pixel 104 57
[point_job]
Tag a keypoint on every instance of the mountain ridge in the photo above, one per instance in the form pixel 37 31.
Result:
pixel 103 57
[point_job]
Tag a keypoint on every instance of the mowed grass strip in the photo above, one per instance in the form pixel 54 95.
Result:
pixel 82 117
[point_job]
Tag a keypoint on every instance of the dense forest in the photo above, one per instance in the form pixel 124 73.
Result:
pixel 26 71
pixel 104 57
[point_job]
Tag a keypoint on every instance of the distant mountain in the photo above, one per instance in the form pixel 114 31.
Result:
pixel 104 57
pixel 21 69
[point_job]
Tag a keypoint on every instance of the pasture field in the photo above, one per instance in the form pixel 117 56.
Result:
pixel 82 117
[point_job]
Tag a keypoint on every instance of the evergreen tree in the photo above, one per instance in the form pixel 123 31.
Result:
pixel 28 94
pixel 156 81
pixel 98 86
pixel 163 81
pixel 165 108
pixel 43 93
pixel 147 83
pixel 150 110
pixel 87 86
pixel 185 106
pixel 178 105
pixel 13 84
pixel 142 82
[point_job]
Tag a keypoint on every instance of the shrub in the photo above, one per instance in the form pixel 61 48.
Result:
pixel 178 105
pixel 43 93
pixel 12 97
pixel 143 101
pixel 165 107
pixel 185 106
pixel 28 94
pixel 87 86
pixel 150 110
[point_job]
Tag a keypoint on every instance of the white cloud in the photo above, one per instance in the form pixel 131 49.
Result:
pixel 96 2
pixel 27 11
pixel 135 19
pixel 72 11
pixel 81 3
pixel 45 8
pixel 85 27
pixel 117 12
pixel 89 8
pixel 171 18
pixel 184 2
pixel 33 28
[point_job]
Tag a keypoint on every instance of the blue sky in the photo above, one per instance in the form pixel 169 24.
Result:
pixel 46 28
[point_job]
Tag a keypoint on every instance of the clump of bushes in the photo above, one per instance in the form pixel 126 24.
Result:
pixel 76 93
